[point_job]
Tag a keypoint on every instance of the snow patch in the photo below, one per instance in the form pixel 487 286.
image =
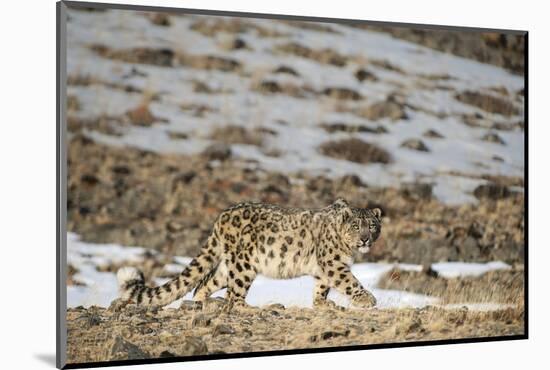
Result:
pixel 101 288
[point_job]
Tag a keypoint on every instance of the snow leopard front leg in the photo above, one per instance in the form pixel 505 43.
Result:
pixel 320 293
pixel 339 276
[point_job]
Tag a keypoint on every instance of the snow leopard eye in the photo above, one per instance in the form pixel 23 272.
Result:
pixel 355 226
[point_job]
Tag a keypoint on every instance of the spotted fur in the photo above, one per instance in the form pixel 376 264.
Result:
pixel 255 238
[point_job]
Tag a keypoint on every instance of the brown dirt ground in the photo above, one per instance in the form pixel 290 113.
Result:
pixel 99 334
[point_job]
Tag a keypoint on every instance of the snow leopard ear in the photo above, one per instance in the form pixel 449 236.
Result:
pixel 346 214
pixel 377 212
pixel 340 202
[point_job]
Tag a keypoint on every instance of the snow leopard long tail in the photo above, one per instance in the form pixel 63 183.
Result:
pixel 132 285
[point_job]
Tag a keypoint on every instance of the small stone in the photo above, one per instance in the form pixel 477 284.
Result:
pixel 238 44
pixel 275 306
pixel 193 346
pixel 124 350
pixel 428 270
pixel 160 19
pixel 218 151
pixel 415 144
pixel 493 138
pixel 363 74
pixel 287 70
pixel 492 191
pixel 433 134
pixel 334 334
pixel 342 93
pixel 223 330
pixel 174 226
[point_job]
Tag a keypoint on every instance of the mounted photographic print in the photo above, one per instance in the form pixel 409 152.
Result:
pixel 235 184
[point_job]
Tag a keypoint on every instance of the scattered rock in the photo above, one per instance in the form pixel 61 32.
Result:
pixel 329 335
pixel 192 346
pixel 415 144
pixel 174 226
pixel 203 88
pixel 492 191
pixel 364 75
pixel 124 350
pixel 166 354
pixel 217 151
pixel 185 178
pixel 174 135
pixel 287 70
pixel 160 19
pixel 291 89
pixel 275 306
pixel 238 43
pixel 223 330
pixel 493 138
pixel 386 65
pixel 355 150
pixel 343 127
pixel 142 116
pixel 197 110
pixel 342 93
pixel 89 179
pixel 270 87
pixel 433 134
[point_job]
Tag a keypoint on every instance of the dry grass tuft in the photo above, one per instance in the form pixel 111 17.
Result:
pixel 355 150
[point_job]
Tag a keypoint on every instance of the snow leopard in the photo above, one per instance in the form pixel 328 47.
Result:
pixel 282 243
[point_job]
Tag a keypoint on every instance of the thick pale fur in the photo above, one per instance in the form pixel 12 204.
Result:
pixel 282 243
